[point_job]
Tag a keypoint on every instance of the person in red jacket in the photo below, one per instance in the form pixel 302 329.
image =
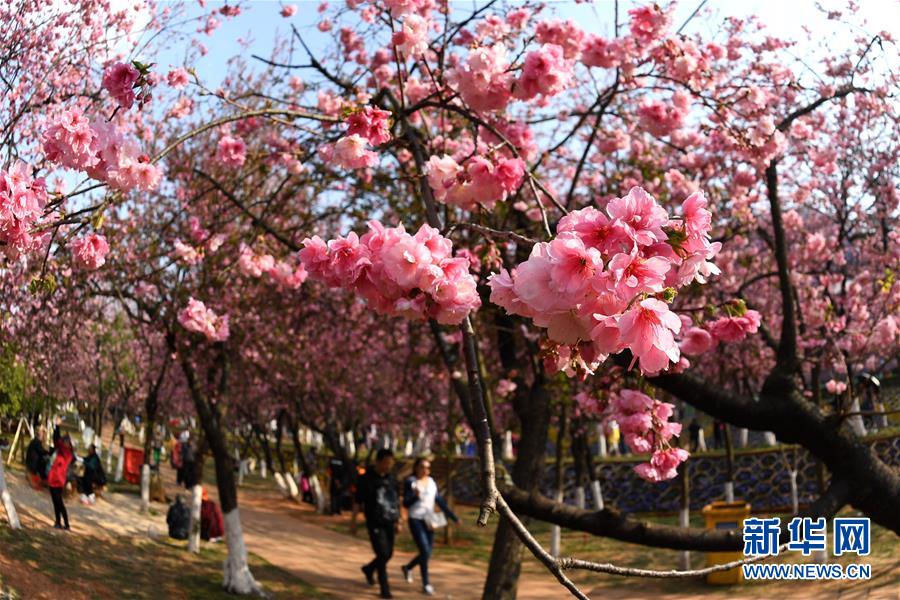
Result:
pixel 56 479
pixel 212 527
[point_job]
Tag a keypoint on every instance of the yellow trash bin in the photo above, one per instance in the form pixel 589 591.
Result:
pixel 725 515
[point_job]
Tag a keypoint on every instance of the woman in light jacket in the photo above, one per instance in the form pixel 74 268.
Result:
pixel 420 494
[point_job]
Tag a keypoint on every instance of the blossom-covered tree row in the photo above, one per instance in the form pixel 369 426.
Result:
pixel 493 202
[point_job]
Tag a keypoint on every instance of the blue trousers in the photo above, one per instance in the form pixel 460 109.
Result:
pixel 423 536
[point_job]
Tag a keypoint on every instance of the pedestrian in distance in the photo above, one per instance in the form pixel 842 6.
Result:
pixel 420 495
pixel 377 495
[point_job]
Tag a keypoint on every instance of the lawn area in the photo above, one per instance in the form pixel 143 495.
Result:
pixel 45 563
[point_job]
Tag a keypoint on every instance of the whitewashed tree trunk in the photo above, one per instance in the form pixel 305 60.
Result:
pixel 194 534
pixel 293 492
pixel 318 496
pixel 795 498
pixel 701 441
pixel 81 425
pixel 769 438
pixel 408 449
pixel 579 497
pixel 684 519
pixel 109 456
pixel 602 450
pixel 282 486
pixel 120 464
pixel 743 437
pixel 145 488
pixel 555 531
pixel 508 446
pixel 262 469
pixel 729 491
pixel 240 466
pixel 856 421
pixel 11 514
pixel 238 578
pixel 597 492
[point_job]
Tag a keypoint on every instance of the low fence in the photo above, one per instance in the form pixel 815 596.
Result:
pixel 761 477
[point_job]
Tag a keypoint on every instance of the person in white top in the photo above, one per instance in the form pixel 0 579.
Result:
pixel 420 494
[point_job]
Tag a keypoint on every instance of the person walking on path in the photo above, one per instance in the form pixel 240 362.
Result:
pixel 93 476
pixel 56 479
pixel 188 458
pixel 36 459
pixel 420 494
pixel 377 495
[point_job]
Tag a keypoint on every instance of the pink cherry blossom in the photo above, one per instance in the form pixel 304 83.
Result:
pixel 178 78
pixel 231 151
pixel 835 387
pixel 412 37
pixel 119 80
pixel 371 123
pixel 735 329
pixel 90 251
pixel 697 341
pixel 351 152
pixel 640 215
pixel 198 318
pixel 482 80
pixel 546 71
pixel 648 331
pixel 288 10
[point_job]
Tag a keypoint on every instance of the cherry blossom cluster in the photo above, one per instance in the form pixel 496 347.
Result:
pixel 733 327
pixel 481 183
pixel 198 318
pixel 100 150
pixel 22 201
pixel 231 151
pixel 645 426
pixel 284 274
pixel 415 276
pixel 602 285
pixel 89 252
pixel 121 80
pixel 365 127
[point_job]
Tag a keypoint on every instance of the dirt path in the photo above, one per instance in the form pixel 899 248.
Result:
pixel 283 533
pixel 330 561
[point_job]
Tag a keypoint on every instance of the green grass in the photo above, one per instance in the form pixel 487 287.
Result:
pixel 127 568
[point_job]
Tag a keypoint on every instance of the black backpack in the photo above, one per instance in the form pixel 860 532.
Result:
pixel 179 520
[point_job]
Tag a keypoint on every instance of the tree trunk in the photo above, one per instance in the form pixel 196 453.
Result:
pixel 6 499
pixel 556 531
pixel 120 463
pixel 684 516
pixel 194 535
pixel 729 465
pixel 533 411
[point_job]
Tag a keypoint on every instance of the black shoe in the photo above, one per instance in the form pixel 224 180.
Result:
pixel 57 526
pixel 407 575
pixel 67 527
pixel 385 594
pixel 370 578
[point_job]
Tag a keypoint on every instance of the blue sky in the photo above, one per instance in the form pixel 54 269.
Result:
pixel 260 22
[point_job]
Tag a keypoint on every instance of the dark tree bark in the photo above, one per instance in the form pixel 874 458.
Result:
pixel 533 410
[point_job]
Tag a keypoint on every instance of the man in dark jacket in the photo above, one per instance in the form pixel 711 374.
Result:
pixel 93 476
pixel 36 456
pixel 179 519
pixel 377 493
